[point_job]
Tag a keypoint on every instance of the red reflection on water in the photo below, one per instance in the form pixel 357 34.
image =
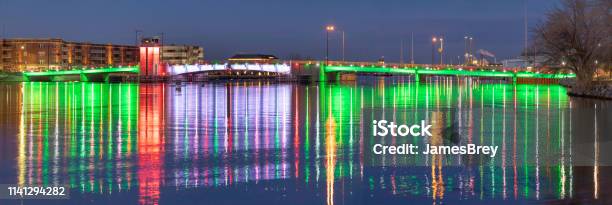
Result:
pixel 330 158
pixel 229 140
pixel 437 179
pixel 151 125
pixel 296 137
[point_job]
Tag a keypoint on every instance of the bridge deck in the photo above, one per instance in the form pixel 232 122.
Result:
pixel 127 69
pixel 184 69
pixel 449 71
pixel 284 68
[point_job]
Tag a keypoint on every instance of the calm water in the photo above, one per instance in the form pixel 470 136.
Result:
pixel 267 143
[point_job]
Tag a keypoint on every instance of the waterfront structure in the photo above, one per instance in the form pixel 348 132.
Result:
pixel 279 68
pixel 21 54
pixel 155 56
pixel 324 72
pixel 525 63
pixel 336 71
pixel 150 64
pixel 182 54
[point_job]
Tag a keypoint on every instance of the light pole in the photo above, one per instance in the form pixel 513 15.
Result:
pixel 471 50
pixel 136 40
pixel 25 58
pixel 433 49
pixel 441 50
pixel 343 47
pixel 465 54
pixel 161 49
pixel 328 29
pixel 401 51
pixel 412 48
pixel 48 57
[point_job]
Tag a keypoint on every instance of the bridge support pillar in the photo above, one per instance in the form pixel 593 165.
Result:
pixel 322 72
pixel 106 77
pixel 84 78
pixel 417 76
pixel 514 78
pixel 332 77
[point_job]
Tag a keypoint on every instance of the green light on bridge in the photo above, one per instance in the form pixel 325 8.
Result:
pixel 367 69
pixel 127 69
pixel 448 71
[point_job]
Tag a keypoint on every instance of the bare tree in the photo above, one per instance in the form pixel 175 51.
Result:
pixel 606 62
pixel 576 35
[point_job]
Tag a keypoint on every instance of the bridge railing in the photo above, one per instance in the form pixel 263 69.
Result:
pixel 447 71
pixel 182 69
pixel 85 70
pixel 402 65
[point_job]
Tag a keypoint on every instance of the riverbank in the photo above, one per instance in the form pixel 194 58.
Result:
pixel 600 89
pixel 10 77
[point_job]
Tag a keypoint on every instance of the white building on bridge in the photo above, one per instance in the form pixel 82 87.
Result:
pixel 524 63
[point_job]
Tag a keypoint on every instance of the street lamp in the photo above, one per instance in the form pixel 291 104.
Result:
pixel 465 55
pixel 412 48
pixel 471 49
pixel 342 46
pixel 441 50
pixel 136 40
pixel 433 49
pixel 328 29
pixel 25 58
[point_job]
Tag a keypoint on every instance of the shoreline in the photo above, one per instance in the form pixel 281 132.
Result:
pixel 600 90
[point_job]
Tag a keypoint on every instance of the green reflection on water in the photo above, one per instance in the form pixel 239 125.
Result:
pixel 88 135
pixel 71 134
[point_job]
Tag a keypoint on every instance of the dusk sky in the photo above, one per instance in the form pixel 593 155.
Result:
pixel 283 28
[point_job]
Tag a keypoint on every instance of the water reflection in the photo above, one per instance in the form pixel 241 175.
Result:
pixel 157 141
pixel 151 142
pixel 78 134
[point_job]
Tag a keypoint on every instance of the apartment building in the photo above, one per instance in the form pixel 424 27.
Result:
pixel 182 54
pixel 18 55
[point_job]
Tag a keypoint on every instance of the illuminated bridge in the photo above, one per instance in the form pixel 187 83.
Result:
pixel 315 72
pixel 103 73
pixel 84 75
pixel 449 71
pixel 186 69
